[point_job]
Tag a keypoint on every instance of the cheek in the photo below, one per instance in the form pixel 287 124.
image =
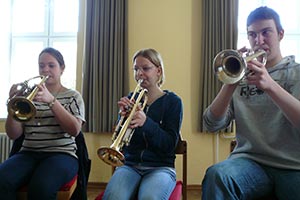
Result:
pixel 136 76
pixel 272 42
pixel 159 74
pixel 252 43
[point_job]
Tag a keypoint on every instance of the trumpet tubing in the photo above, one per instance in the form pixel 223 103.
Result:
pixel 20 106
pixel 122 134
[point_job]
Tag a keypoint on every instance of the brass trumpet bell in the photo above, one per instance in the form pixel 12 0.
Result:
pixel 230 66
pixel 21 109
pixel 20 106
pixel 111 156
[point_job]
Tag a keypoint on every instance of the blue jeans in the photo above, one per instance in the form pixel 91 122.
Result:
pixel 128 183
pixel 242 178
pixel 44 173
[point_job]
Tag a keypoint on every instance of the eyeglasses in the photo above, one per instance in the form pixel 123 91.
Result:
pixel 143 69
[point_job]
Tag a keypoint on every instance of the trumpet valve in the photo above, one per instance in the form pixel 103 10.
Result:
pixel 127 136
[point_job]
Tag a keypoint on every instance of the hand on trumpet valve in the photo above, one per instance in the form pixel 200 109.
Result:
pixel 254 68
pixel 43 94
pixel 15 88
pixel 244 50
pixel 138 119
pixel 259 75
pixel 125 106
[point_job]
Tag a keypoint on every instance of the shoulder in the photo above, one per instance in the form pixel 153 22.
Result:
pixel 171 95
pixel 71 93
pixel 70 96
pixel 292 68
pixel 290 61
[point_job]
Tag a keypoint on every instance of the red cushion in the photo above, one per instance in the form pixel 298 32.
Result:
pixel 176 194
pixel 69 184
pixel 65 187
pixel 99 197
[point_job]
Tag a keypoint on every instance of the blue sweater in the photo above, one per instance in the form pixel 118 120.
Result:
pixel 153 144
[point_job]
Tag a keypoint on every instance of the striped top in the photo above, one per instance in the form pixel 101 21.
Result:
pixel 44 134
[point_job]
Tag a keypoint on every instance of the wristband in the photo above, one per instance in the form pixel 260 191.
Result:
pixel 51 103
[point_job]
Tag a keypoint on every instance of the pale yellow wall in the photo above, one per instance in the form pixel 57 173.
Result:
pixel 173 27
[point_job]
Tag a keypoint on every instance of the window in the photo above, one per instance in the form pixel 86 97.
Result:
pixel 289 16
pixel 26 28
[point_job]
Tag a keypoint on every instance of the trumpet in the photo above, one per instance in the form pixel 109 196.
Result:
pixel 230 66
pixel 20 106
pixel 122 134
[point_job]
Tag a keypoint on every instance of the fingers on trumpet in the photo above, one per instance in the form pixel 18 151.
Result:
pixel 243 50
pixel 15 88
pixel 125 110
pixel 126 106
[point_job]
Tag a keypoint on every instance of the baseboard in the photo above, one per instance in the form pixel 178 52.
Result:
pixel 194 187
pixel 96 185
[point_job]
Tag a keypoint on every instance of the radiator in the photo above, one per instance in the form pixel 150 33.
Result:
pixel 5 146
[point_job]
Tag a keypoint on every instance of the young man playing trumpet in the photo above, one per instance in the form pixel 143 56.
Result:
pixel 266 158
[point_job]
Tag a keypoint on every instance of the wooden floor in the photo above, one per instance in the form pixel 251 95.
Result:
pixel 191 195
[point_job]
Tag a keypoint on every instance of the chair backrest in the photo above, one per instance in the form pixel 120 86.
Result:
pixel 182 149
pixel 84 168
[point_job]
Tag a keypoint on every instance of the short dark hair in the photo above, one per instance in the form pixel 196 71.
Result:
pixel 262 13
pixel 56 54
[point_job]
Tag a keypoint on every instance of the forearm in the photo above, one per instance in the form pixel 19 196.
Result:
pixel 289 105
pixel 13 128
pixel 160 139
pixel 163 133
pixel 66 120
pixel 220 104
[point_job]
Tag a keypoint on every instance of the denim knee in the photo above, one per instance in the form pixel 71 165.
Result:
pixel 214 173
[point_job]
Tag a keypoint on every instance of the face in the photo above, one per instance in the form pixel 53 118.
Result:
pixel 48 65
pixel 263 34
pixel 146 70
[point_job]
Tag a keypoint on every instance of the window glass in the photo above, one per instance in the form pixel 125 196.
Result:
pixel 24 20
pixel 64 21
pixel 24 59
pixel 68 48
pixel 30 26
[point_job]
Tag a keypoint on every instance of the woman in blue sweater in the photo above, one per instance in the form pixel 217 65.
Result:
pixel 148 172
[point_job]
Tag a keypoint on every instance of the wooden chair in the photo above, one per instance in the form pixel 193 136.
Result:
pixel 64 193
pixel 180 189
pixel 181 149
